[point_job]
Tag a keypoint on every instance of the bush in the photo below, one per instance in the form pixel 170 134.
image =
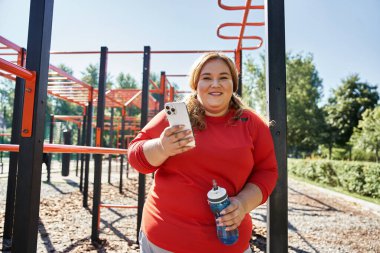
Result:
pixel 363 155
pixel 359 177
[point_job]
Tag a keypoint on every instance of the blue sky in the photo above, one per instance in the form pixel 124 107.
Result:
pixel 341 34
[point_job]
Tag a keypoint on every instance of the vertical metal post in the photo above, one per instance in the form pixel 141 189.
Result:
pixel 88 143
pixel 99 143
pixel 171 98
pixel 66 157
pixel 51 139
pixel 51 132
pixel 83 142
pixel 239 65
pixel 277 225
pixel 78 143
pixel 144 121
pixel 111 146
pixel 163 90
pixel 122 146
pixel 51 129
pixel 30 156
pixel 2 140
pixel 117 138
pixel 13 156
pixel 127 172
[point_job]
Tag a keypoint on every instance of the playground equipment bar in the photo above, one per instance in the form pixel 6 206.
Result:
pixel 173 75
pixel 9 44
pixel 183 92
pixel 16 70
pixel 61 72
pixel 242 25
pixel 133 98
pixel 30 85
pixel 8 76
pixel 234 8
pixel 141 52
pixel 60 148
pixel 154 84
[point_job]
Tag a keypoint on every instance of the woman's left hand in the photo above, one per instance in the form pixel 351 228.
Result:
pixel 232 215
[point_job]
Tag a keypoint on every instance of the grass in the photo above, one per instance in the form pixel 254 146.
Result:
pixel 336 189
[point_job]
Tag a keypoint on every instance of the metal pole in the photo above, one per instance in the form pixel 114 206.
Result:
pixel 82 156
pixel 144 120
pixel 122 146
pixel 77 156
pixel 30 156
pixel 13 157
pixel 99 143
pixel 163 90
pixel 2 141
pixel 66 157
pixel 127 163
pixel 111 145
pixel 88 143
pixel 51 139
pixel 277 225
pixel 239 62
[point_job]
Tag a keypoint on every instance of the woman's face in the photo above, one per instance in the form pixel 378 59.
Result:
pixel 215 87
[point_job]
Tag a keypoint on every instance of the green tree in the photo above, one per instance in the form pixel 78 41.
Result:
pixel 345 108
pixel 366 135
pixel 7 89
pixel 254 84
pixel 304 91
pixel 91 76
pixel 66 68
pixel 125 81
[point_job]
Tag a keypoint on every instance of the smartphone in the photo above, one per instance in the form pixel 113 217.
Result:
pixel 176 113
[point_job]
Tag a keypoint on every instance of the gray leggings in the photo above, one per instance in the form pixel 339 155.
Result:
pixel 147 247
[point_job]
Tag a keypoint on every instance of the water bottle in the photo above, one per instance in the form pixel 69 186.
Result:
pixel 218 200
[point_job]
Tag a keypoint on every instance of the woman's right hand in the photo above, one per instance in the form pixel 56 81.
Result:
pixel 174 139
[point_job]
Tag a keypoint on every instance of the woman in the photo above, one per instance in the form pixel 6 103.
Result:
pixel 233 146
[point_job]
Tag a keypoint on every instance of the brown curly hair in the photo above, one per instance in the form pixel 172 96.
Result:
pixel 195 108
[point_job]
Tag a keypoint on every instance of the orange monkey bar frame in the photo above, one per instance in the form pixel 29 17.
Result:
pixel 9 45
pixel 242 26
pixel 75 119
pixel 29 93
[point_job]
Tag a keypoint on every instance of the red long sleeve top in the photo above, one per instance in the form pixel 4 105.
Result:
pixel 176 214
